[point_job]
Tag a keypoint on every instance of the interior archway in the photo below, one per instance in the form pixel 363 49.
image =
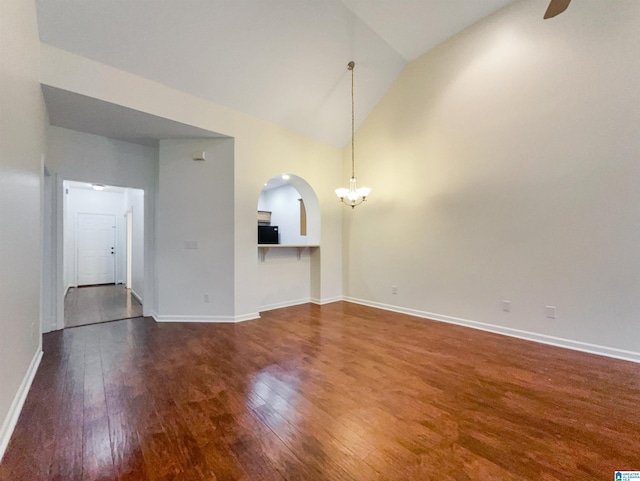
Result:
pixel 288 272
pixel 282 192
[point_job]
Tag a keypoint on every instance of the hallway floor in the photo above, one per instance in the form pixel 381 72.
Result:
pixel 94 304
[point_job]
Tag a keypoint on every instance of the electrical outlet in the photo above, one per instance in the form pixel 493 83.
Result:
pixel 394 289
pixel 506 306
pixel 206 298
pixel 550 311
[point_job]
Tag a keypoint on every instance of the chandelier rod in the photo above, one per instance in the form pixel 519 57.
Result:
pixel 351 66
pixel 353 195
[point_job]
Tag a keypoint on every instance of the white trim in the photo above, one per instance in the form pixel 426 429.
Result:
pixel 507 331
pixel 247 317
pixel 9 423
pixel 135 294
pixel 280 305
pixel 328 300
pixel 129 244
pixel 299 302
pixel 205 319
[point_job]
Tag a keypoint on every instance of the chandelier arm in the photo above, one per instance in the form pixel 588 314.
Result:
pixel 354 203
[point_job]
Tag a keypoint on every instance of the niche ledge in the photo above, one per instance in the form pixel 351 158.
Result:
pixel 264 248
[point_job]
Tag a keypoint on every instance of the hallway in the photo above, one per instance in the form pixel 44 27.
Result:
pixel 94 304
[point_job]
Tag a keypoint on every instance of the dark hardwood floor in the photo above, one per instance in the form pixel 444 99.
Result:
pixel 335 392
pixel 93 304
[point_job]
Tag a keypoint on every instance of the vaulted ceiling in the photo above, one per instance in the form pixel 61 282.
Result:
pixel 284 61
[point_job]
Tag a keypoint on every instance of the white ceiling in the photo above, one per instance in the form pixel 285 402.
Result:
pixel 283 61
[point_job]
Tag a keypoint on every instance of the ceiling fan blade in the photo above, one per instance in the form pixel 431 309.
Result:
pixel 556 7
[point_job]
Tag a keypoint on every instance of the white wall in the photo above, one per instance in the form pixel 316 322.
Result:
pixel 135 203
pixel 84 201
pixel 261 150
pixel 48 278
pixel 90 158
pixel 195 231
pixel 284 280
pixel 22 134
pixel 504 165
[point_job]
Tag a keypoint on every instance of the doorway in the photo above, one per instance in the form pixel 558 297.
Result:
pixel 103 258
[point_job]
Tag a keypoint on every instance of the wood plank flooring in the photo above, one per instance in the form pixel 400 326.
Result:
pixel 336 392
pixel 93 304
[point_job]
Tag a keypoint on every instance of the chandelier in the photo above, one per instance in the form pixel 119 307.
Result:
pixel 353 195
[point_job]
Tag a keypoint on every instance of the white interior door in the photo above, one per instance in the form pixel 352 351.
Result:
pixel 96 249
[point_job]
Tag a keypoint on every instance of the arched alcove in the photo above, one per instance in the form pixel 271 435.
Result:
pixel 283 192
pixel 288 271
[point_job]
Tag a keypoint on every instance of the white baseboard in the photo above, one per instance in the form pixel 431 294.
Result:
pixel 507 331
pixel 298 302
pixel 206 319
pixel 242 317
pixel 135 294
pixel 247 317
pixel 280 305
pixel 9 423
pixel 328 300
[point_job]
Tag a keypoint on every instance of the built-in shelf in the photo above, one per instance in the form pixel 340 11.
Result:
pixel 264 248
